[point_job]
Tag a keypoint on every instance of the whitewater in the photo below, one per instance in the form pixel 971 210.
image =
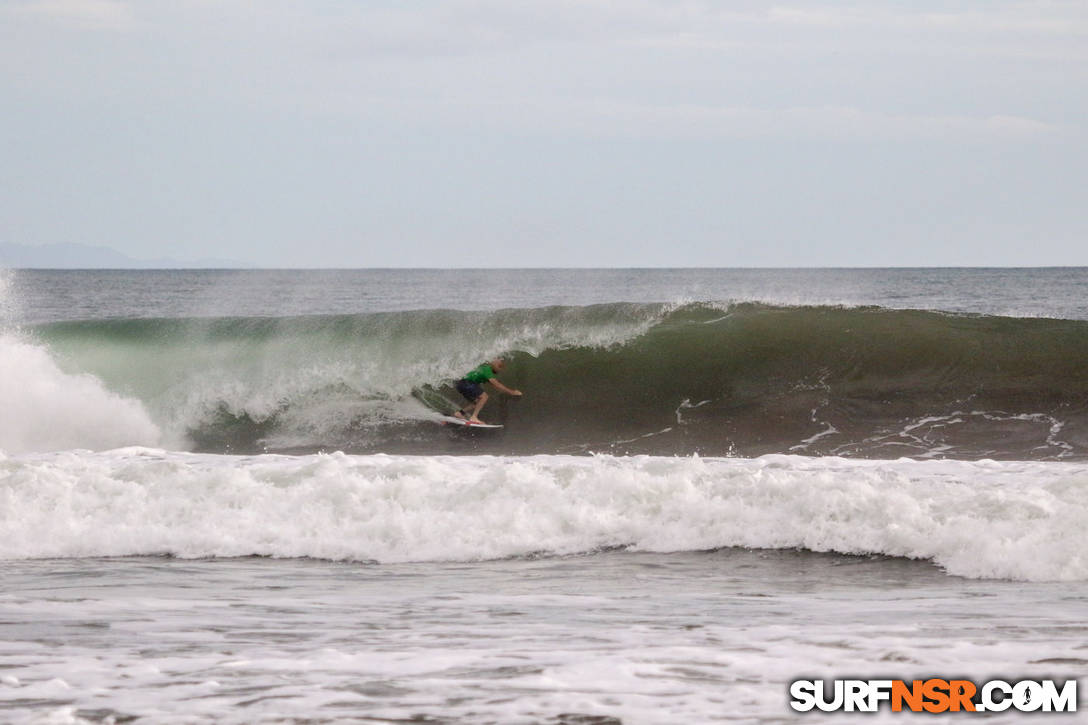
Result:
pixel 984 520
pixel 222 501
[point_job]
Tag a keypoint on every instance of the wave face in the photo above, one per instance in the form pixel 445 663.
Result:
pixel 1026 521
pixel 742 379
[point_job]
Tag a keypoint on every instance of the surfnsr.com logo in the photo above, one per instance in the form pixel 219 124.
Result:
pixel 933 695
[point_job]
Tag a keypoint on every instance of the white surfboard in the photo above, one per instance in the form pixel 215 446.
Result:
pixel 461 421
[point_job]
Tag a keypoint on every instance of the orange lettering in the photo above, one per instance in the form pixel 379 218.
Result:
pixel 961 692
pixel 936 691
pixel 911 695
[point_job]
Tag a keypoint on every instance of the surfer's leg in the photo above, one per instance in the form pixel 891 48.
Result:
pixel 471 393
pixel 479 406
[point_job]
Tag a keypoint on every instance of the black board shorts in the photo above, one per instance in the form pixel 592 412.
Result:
pixel 469 389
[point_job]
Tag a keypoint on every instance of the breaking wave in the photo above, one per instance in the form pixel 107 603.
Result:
pixel 742 379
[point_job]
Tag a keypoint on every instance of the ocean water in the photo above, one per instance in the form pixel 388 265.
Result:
pixel 222 499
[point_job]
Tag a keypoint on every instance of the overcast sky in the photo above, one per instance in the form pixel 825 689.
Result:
pixel 549 133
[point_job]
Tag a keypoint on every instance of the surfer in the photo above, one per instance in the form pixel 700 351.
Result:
pixel 472 388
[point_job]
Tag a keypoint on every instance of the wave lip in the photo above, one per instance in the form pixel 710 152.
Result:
pixel 1023 521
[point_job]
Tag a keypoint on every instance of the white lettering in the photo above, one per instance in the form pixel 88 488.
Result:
pixel 879 691
pixel 833 704
pixel 1064 701
pixel 988 701
pixel 803 693
pixel 856 695
pixel 1027 696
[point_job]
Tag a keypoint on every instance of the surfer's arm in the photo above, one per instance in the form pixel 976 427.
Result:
pixel 502 388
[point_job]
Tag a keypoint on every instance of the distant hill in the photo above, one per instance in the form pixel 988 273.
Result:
pixel 83 256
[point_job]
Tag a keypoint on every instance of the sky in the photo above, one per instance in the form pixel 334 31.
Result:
pixel 559 133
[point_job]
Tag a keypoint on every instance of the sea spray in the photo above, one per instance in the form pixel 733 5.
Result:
pixel 43 408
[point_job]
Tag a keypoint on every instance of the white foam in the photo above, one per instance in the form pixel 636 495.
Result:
pixel 46 409
pixel 1018 520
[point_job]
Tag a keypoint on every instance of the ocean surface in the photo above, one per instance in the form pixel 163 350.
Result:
pixel 225 496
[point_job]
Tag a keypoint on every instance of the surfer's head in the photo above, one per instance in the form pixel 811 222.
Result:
pixel 498 364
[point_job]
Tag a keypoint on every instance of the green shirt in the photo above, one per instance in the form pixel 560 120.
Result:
pixel 481 374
